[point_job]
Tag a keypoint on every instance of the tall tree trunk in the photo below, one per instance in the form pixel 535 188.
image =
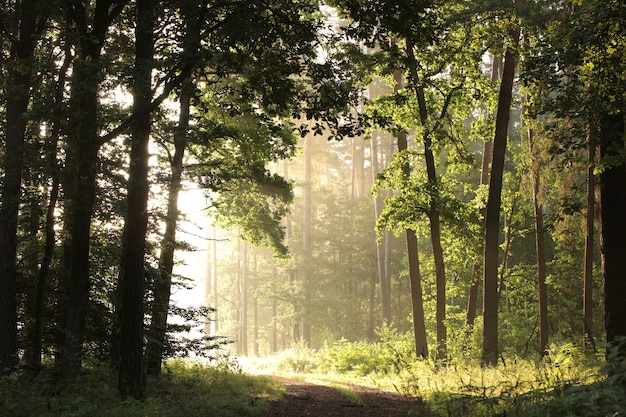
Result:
pixel 243 341
pixel 415 278
pixel 216 323
pixel 50 234
pixel 306 242
pixel 472 299
pixel 18 97
pixel 371 321
pixel 588 338
pixel 42 276
pixel 506 252
pixel 433 209
pixel 163 282
pixel 492 216
pixel 132 378
pixel 383 277
pixel 540 248
pixel 255 313
pixel 81 168
pixel 612 209
pixel 295 328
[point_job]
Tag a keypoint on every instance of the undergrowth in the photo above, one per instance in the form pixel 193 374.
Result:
pixel 567 382
pixel 185 389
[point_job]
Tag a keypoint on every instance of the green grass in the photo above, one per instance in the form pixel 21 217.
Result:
pixel 185 389
pixel 568 383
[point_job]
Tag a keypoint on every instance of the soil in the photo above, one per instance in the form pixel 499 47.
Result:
pixel 305 399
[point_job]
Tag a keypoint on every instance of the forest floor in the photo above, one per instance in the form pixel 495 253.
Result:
pixel 346 400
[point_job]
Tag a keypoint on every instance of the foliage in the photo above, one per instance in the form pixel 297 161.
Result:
pixel 188 389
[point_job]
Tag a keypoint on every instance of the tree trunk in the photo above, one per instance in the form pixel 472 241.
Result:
pixel 132 378
pixel 540 247
pixel 18 97
pixel 588 338
pixel 612 209
pixel 415 278
pixel 295 329
pixel 255 315
pixel 243 341
pixel 81 168
pixel 306 242
pixel 50 234
pixel 163 282
pixel 383 278
pixel 492 216
pixel 472 299
pixel 42 276
pixel 216 323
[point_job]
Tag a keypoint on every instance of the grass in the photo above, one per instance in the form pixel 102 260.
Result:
pixel 185 389
pixel 567 383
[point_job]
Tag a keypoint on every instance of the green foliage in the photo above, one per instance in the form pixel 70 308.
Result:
pixel 187 389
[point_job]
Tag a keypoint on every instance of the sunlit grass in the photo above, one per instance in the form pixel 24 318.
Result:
pixel 566 383
pixel 185 389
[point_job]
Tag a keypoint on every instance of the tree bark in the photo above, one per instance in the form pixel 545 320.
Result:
pixel 433 211
pixel 492 217
pixel 588 338
pixel 243 340
pixel 540 246
pixel 81 169
pixel 613 221
pixel 18 98
pixel 50 234
pixel 162 286
pixel 415 278
pixel 163 282
pixel 383 278
pixel 472 299
pixel 132 378
pixel 306 242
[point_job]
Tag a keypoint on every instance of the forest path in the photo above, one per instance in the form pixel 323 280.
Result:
pixel 340 399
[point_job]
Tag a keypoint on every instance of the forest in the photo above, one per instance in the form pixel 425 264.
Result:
pixel 433 183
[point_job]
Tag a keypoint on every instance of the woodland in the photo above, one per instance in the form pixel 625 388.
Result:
pixel 430 182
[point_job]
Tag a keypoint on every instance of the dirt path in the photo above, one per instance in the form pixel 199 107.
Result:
pixel 306 399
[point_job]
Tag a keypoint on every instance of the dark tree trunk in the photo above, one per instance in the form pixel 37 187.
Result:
pixel 18 97
pixel 163 282
pixel 50 234
pixel 415 278
pixel 612 209
pixel 472 299
pixel 81 170
pixel 433 209
pixel 42 277
pixel 492 216
pixel 132 378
